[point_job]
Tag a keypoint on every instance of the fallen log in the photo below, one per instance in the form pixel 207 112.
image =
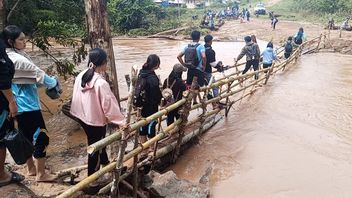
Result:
pixel 70 171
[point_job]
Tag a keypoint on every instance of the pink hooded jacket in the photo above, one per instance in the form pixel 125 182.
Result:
pixel 95 104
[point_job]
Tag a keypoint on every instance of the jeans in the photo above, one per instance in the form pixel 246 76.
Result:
pixel 215 89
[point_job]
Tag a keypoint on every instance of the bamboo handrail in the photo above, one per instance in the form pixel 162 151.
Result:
pixel 85 182
pixel 116 136
pixel 167 149
pixel 173 128
pixel 123 143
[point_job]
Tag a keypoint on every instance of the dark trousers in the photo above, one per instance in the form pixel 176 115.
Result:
pixel 249 64
pixel 266 66
pixel 171 116
pixel 274 25
pixel 94 134
pixel 33 127
pixel 192 73
pixel 287 55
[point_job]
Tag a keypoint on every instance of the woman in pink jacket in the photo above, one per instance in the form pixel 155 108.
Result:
pixel 94 104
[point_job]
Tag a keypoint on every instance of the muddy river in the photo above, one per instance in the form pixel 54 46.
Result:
pixel 292 138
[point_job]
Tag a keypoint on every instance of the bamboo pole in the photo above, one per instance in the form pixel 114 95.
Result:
pixel 123 142
pixel 85 182
pixel 135 159
pixel 170 147
pixel 169 130
pixel 117 135
pixel 184 116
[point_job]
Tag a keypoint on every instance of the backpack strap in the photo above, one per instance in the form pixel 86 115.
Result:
pixel 173 83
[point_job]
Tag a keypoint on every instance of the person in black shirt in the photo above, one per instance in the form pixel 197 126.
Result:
pixel 153 95
pixel 211 62
pixel 176 84
pixel 8 108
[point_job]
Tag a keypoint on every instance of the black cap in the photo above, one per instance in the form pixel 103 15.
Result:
pixel 247 39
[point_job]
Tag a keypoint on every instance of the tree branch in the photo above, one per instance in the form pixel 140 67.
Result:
pixel 12 10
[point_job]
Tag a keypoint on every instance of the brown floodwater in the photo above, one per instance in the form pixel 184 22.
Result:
pixel 67 139
pixel 292 138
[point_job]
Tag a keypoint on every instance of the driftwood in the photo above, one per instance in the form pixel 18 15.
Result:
pixel 71 171
pixel 172 31
pixel 164 37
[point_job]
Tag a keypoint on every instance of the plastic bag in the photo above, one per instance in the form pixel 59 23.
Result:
pixel 20 148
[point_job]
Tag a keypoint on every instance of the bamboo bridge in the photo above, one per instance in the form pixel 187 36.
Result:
pixel 234 87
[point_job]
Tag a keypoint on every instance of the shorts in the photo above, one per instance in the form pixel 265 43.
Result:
pixel 5 125
pixel 267 65
pixel 195 72
pixel 148 130
pixel 33 127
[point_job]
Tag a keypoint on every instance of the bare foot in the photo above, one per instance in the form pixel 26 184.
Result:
pixel 47 177
pixel 31 171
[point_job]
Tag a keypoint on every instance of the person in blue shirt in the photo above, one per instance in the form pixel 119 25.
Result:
pixel 198 68
pixel 300 37
pixel 269 55
pixel 25 84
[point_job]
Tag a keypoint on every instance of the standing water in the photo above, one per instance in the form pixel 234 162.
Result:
pixel 292 138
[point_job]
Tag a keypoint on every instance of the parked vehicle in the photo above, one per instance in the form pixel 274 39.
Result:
pixel 259 9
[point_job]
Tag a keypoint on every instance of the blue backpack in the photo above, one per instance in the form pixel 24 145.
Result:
pixel 298 38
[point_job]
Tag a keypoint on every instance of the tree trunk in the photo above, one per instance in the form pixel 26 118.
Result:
pixel 99 35
pixel 2 14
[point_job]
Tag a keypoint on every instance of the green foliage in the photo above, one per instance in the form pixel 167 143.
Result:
pixel 325 6
pixel 54 20
pixel 126 15
pixel 138 32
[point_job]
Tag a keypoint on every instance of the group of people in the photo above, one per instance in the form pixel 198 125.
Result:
pixel 19 100
pixel 293 42
pixel 93 103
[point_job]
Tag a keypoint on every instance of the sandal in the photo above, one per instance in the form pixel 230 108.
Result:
pixel 15 178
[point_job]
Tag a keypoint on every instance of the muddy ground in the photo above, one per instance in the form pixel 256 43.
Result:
pixel 68 148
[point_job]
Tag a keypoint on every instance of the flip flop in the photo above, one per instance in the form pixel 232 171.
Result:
pixel 15 178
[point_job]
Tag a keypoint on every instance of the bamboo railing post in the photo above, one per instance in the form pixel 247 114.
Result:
pixel 135 159
pixel 204 106
pixel 156 144
pixel 268 74
pixel 227 100
pixel 317 48
pixel 123 142
pixel 184 113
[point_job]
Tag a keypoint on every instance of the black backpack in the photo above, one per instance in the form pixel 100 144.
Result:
pixel 191 57
pixel 288 48
pixel 298 38
pixel 139 97
pixel 252 52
